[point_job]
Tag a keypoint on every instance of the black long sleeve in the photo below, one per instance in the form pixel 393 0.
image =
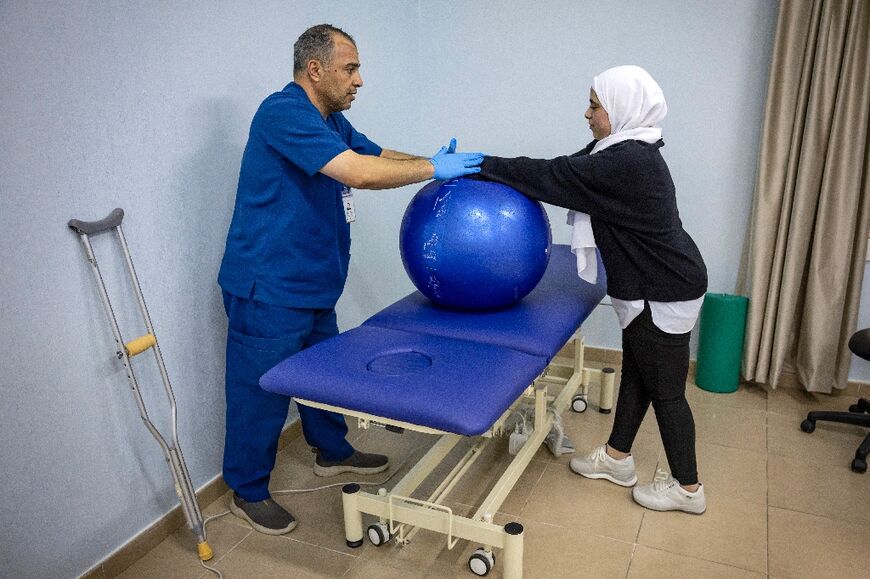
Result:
pixel 627 183
pixel 628 191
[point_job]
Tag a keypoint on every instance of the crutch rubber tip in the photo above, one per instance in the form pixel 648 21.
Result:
pixel 204 550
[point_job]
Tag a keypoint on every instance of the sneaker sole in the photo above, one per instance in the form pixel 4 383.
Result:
pixel 668 509
pixel 237 511
pixel 628 483
pixel 340 469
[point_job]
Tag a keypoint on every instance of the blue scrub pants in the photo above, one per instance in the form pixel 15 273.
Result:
pixel 259 336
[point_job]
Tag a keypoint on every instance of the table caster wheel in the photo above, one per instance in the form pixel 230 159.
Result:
pixel 579 404
pixel 808 425
pixel 481 562
pixel 379 533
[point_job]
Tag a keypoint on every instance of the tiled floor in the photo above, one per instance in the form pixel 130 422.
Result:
pixel 780 503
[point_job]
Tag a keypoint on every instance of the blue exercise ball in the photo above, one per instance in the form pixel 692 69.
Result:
pixel 474 245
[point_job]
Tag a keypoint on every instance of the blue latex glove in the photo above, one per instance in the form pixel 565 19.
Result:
pixel 450 164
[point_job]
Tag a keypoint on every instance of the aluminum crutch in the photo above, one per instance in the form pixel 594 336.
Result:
pixel 172 452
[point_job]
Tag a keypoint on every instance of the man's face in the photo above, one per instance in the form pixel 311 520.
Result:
pixel 599 122
pixel 340 78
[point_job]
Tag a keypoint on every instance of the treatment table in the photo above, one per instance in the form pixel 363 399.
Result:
pixel 418 366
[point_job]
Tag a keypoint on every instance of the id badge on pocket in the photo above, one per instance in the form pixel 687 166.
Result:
pixel 347 201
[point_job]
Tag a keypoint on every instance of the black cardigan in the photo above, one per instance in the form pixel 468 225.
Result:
pixel 629 194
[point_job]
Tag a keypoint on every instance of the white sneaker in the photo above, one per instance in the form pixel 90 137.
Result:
pixel 666 494
pixel 601 465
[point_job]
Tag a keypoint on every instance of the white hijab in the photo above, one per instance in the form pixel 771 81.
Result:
pixel 635 105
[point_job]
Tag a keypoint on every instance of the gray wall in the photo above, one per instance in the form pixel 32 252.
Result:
pixel 146 106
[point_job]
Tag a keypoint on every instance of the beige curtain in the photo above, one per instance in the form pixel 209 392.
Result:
pixel 803 264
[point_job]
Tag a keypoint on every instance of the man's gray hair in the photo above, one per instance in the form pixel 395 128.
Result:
pixel 316 43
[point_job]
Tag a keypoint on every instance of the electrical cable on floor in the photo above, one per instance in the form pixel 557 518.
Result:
pixel 324 487
pixel 213 569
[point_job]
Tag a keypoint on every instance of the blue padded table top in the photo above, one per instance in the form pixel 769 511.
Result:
pixel 452 371
pixel 451 385
pixel 539 324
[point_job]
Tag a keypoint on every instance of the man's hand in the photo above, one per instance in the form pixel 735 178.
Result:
pixel 450 164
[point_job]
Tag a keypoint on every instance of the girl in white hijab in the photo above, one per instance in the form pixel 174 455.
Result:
pixel 622 201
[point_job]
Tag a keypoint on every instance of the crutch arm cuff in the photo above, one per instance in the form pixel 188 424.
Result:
pixel 91 227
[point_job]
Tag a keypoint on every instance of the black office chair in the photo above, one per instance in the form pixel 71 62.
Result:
pixel 858 414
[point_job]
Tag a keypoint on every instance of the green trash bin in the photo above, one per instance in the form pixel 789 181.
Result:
pixel 720 342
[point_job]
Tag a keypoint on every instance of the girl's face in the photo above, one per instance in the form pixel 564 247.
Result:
pixel 599 122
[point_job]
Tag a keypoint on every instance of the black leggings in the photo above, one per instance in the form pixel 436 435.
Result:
pixel 655 365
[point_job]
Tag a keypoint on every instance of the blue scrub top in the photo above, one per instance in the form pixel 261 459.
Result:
pixel 288 242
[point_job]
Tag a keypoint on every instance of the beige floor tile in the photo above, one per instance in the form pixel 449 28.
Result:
pixel 650 563
pixel 176 556
pixel 830 443
pixel 597 507
pixel 803 545
pixel 265 556
pixel 582 425
pixel 367 569
pixel 734 427
pixel 821 489
pixel 732 532
pixel 796 402
pixel 476 485
pixel 221 505
pixel 321 519
pixel 747 397
pixel 732 472
pixel 558 552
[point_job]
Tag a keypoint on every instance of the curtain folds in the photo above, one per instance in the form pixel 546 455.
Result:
pixel 807 240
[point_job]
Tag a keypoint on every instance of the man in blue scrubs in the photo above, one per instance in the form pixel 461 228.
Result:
pixel 286 260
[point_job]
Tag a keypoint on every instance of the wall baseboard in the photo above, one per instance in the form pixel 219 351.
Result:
pixel 137 547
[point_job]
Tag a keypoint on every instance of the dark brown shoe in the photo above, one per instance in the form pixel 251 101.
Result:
pixel 265 516
pixel 358 463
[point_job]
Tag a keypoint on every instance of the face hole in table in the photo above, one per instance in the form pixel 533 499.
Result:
pixel 399 363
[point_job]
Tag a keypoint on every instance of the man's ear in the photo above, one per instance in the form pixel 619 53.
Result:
pixel 314 70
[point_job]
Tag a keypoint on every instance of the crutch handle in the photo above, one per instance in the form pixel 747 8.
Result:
pixel 91 227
